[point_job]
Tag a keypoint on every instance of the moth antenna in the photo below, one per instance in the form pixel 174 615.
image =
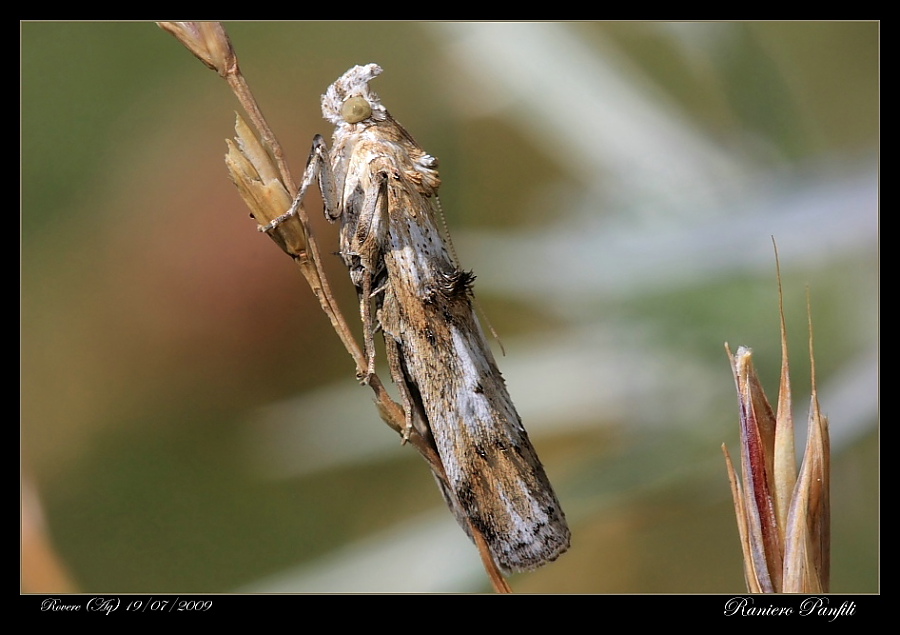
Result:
pixel 490 326
pixel 445 231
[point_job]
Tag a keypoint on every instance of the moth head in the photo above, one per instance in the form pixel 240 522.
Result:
pixel 349 100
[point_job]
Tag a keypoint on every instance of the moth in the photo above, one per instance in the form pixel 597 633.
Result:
pixel 382 187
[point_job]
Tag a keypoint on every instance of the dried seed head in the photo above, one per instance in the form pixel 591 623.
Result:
pixel 256 177
pixel 208 41
pixel 783 519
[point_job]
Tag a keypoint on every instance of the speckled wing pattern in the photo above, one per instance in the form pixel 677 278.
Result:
pixel 383 188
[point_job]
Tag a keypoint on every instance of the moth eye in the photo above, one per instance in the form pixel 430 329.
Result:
pixel 355 109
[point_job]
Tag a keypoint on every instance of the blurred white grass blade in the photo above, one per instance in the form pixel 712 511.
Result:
pixel 814 221
pixel 560 384
pixel 317 430
pixel 428 554
pixel 588 108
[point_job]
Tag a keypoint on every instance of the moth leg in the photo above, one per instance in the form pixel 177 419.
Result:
pixel 365 237
pixel 411 399
pixel 395 364
pixel 317 169
pixel 369 326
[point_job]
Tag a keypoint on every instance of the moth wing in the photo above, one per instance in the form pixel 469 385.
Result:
pixel 494 471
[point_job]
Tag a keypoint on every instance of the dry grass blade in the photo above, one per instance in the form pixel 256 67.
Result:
pixel 750 574
pixel 808 527
pixel 785 457
pixel 757 443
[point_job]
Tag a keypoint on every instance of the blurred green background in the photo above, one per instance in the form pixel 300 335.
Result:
pixel 190 423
